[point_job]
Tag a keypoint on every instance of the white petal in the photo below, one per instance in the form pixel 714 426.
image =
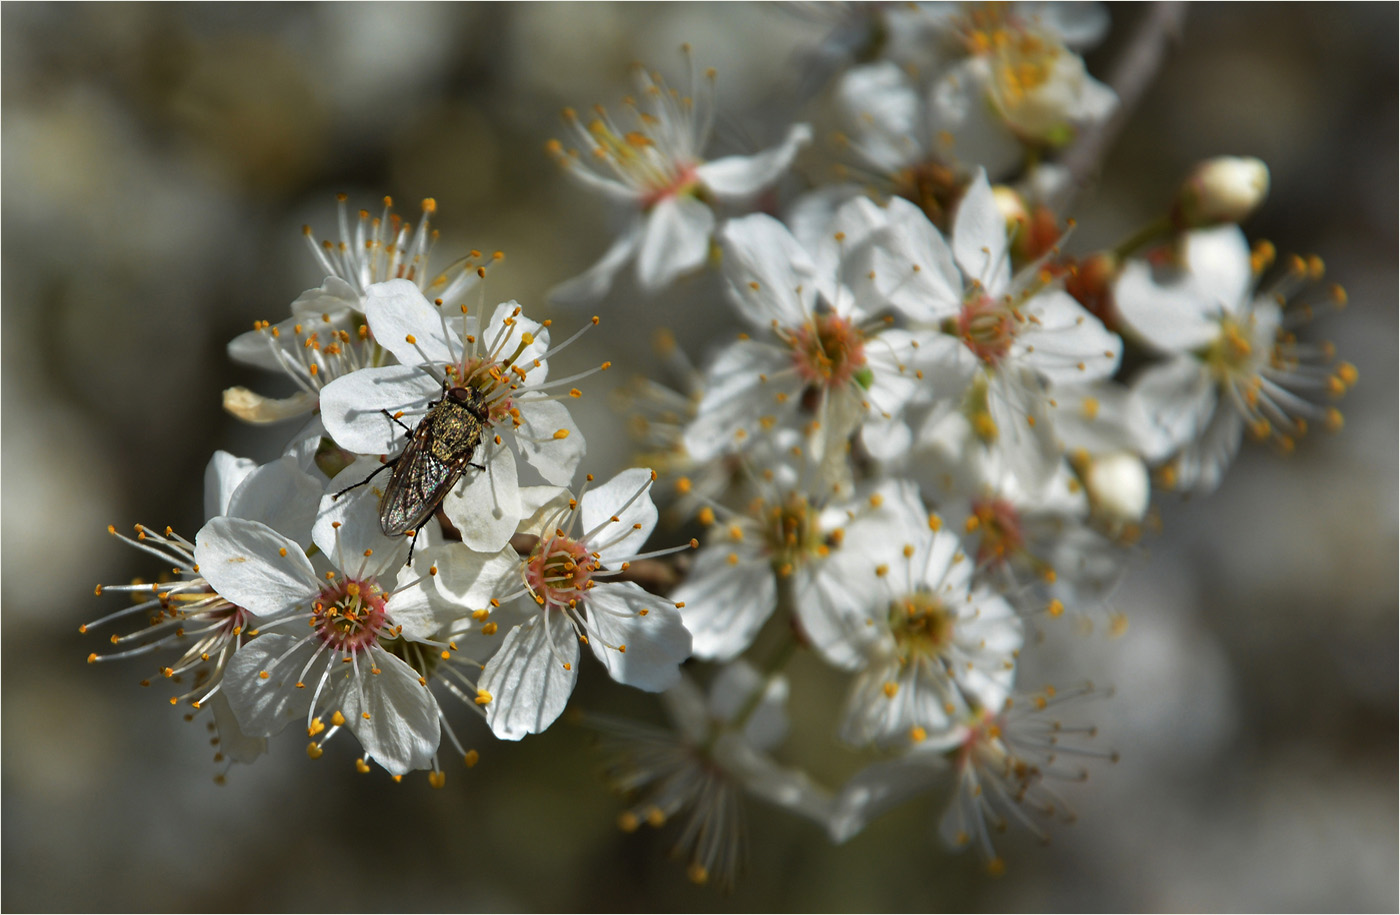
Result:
pixel 351 406
pixel 1025 440
pixel 791 789
pixel 732 692
pixel 259 348
pixel 726 603
pixel 253 566
pixel 529 685
pixel 971 129
pixel 811 215
pixel 913 266
pixel 468 580
pixel 737 397
pixel 592 284
pixel 549 440
pixel 233 742
pixel 252 407
pixel 397 310
pixel 832 600
pixel 1167 317
pixel 282 496
pixel 980 243
pixel 263 707
pixel 880 105
pixel 764 268
pixel 1220 267
pixel 873 715
pixel 1178 397
pixel 392 714
pixel 543 507
pixel 485 506
pixel 623 538
pixel 878 788
pixel 638 636
pixel 333 297
pixel 735 179
pixel 676 241
pixel 348 531
pixel 1064 342
pixel 222 476
pixel 685 706
pixel 505 331
pixel 1202 465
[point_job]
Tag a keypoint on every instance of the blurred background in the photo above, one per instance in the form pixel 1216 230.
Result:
pixel 159 163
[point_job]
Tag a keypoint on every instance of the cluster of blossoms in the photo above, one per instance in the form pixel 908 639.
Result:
pixel 937 434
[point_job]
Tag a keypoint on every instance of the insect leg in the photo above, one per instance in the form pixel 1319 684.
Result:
pixel 406 429
pixel 385 466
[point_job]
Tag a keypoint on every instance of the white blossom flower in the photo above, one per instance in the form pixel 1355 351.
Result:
pixel 1008 339
pixel 698 771
pixel 326 336
pixel 1021 83
pixel 187 613
pixel 347 667
pixel 654 167
pixel 503 359
pixel 825 363
pixel 562 596
pixel 1034 545
pixel 1004 762
pixel 1233 361
pixel 933 641
pixel 785 539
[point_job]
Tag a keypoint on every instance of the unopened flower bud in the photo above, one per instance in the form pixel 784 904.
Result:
pixel 1223 189
pixel 1012 206
pixel 1091 284
pixel 1118 486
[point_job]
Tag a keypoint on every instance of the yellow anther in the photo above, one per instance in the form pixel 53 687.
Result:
pixel 891 688
pixel 471 758
pixel 361 766
pixel 313 750
pixel 337 718
pixel 482 697
pixel 918 734
pixel 1056 607
pixel 437 779
pixel 316 727
pixel 627 821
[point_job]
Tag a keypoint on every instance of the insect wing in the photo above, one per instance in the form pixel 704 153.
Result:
pixel 417 486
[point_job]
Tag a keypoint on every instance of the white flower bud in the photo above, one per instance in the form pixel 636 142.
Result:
pixel 1223 189
pixel 1012 207
pixel 1118 486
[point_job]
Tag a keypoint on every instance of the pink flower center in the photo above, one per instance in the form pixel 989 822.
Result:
pixel 682 181
pixel 987 328
pixel 348 614
pixel 560 572
pixel 828 350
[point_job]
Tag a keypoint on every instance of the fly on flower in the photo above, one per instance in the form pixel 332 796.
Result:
pixel 439 451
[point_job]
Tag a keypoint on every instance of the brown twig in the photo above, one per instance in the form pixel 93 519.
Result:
pixel 1132 73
